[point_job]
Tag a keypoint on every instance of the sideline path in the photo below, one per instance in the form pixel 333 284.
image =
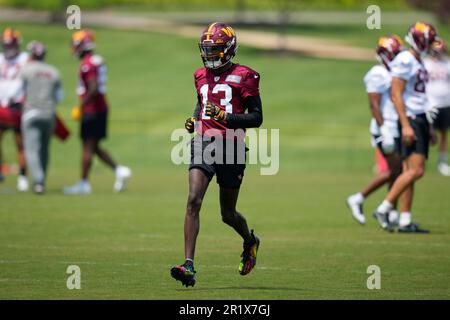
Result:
pixel 305 45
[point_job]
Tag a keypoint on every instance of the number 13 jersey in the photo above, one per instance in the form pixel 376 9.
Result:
pixel 407 67
pixel 227 90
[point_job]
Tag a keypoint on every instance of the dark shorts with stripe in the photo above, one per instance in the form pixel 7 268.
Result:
pixel 442 121
pixel 220 157
pixel 421 144
pixel 94 126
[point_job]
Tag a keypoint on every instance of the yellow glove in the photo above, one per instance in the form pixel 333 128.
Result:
pixel 189 124
pixel 211 110
pixel 76 113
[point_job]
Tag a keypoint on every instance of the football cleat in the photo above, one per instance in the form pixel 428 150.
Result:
pixel 82 187
pixel 444 169
pixel 249 254
pixel 383 221
pixel 122 175
pixel 356 209
pixel 185 274
pixel 412 228
pixel 22 183
pixel 39 189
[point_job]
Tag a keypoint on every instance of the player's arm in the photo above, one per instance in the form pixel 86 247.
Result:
pixel 252 119
pixel 91 91
pixel 398 87
pixel 374 103
pixel 190 122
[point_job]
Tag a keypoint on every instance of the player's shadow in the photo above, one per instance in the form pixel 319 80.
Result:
pixel 247 288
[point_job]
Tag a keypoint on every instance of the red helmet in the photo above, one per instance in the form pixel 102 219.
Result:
pixel 82 41
pixel 420 36
pixel 438 48
pixel 218 45
pixel 36 49
pixel 387 48
pixel 11 40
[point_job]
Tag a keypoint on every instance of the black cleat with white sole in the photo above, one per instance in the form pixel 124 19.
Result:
pixel 412 228
pixel 383 221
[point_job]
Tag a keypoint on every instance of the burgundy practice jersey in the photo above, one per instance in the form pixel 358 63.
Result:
pixel 227 91
pixel 91 67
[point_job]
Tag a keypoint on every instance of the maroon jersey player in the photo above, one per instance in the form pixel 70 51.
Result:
pixel 94 113
pixel 228 99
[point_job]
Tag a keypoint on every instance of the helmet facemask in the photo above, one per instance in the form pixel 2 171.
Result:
pixel 215 55
pixel 10 51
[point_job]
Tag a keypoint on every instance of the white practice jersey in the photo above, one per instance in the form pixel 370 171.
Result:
pixel 438 86
pixel 407 67
pixel 11 88
pixel 378 80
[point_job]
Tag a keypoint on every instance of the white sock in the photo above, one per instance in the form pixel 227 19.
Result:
pixel 405 219
pixel 385 207
pixel 358 197
pixel 84 181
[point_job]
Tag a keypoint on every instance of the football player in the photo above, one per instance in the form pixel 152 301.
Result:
pixel 438 91
pixel 383 126
pixel 225 91
pixel 94 113
pixel 12 61
pixel 408 91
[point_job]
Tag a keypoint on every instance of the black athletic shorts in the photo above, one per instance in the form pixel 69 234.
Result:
pixel 93 126
pixel 220 157
pixel 442 121
pixel 421 144
pixel 397 147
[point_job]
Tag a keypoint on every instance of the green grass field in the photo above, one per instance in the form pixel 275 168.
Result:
pixel 125 244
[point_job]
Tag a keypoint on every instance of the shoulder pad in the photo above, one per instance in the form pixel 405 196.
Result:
pixel 96 60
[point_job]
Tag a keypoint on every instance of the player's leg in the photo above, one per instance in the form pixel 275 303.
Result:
pixel 22 181
pixel 355 201
pixel 228 200
pixel 122 173
pixel 1 154
pixel 230 216
pixel 88 150
pixel 395 163
pixel 105 157
pixel 198 184
pixel 443 165
pixel 47 128
pixel 414 170
pixel 32 143
pixel 405 223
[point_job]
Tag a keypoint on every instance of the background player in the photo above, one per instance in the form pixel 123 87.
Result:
pixel 225 91
pixel 383 126
pixel 409 78
pixel 438 91
pixel 43 90
pixel 94 113
pixel 11 98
